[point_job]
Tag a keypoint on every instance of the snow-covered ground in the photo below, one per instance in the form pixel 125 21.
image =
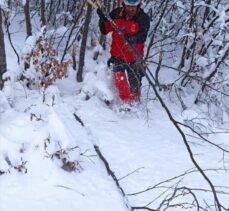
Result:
pixel 142 147
pixel 141 141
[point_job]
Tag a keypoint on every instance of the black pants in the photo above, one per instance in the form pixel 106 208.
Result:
pixel 133 70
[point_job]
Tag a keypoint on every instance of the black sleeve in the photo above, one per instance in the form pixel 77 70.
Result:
pixel 102 26
pixel 143 21
pixel 114 14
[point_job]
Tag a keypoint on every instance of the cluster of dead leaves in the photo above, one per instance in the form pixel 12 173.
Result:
pixel 44 60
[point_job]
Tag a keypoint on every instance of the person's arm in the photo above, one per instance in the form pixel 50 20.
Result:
pixel 104 24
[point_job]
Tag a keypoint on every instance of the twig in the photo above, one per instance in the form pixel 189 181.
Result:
pixel 79 119
pixel 130 173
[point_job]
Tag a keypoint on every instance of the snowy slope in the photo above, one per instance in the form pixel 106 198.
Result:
pixel 46 186
pixel 148 144
pixel 142 147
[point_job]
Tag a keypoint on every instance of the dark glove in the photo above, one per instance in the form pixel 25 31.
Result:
pixel 130 39
pixel 111 61
pixel 122 28
pixel 101 14
pixel 118 65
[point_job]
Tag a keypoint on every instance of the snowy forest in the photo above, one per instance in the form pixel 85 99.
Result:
pixel 64 147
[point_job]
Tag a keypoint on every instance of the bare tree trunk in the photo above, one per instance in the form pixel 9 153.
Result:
pixel 9 3
pixel 74 56
pixel 2 53
pixel 42 12
pixel 57 9
pixel 66 9
pixel 27 19
pixel 50 9
pixel 102 39
pixel 79 76
pixel 186 50
pixel 28 27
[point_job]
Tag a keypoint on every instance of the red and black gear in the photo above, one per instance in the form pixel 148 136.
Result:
pixel 127 78
pixel 135 30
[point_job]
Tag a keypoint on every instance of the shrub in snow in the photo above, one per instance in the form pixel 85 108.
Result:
pixel 51 95
pixel 43 66
pixel 68 160
pixel 8 163
pixel 21 167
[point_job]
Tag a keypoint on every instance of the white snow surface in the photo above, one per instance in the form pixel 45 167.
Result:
pixel 142 147
pixel 149 144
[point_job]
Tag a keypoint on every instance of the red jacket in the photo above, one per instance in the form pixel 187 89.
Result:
pixel 136 29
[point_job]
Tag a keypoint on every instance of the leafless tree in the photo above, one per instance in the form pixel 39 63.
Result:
pixel 2 52
pixel 27 19
pixel 42 12
pixel 84 44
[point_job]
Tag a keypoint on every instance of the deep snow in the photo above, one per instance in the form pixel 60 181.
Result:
pixel 148 144
pixel 142 143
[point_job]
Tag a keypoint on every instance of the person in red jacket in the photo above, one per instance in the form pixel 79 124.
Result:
pixel 134 24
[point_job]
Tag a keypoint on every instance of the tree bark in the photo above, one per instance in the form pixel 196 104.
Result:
pixel 74 57
pixel 2 53
pixel 27 19
pixel 79 76
pixel 42 13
